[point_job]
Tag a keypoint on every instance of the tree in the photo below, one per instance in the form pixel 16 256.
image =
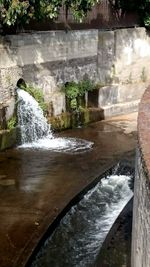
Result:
pixel 20 12
pixel 142 7
pixel 144 11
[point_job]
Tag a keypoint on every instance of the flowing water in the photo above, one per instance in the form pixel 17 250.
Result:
pixel 36 132
pixel 77 240
pixel 31 119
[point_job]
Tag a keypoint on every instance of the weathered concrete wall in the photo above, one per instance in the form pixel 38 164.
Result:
pixel 118 60
pixel 141 210
pixel 47 60
pixel 121 98
pixel 123 56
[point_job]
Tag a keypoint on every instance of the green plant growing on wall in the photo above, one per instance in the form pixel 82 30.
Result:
pixel 85 86
pixel 11 123
pixel 74 91
pixel 38 95
pixel 71 90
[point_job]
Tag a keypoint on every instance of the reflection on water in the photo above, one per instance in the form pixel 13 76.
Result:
pixel 77 240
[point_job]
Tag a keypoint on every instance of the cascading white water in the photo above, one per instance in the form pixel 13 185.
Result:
pixel 77 241
pixel 31 119
pixel 35 131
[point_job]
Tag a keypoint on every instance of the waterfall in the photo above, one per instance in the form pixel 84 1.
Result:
pixel 31 119
pixel 35 131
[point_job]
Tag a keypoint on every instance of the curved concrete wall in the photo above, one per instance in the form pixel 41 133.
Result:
pixel 141 211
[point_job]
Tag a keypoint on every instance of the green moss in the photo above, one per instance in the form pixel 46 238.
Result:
pixel 66 120
pixel 73 119
pixel 11 123
pixel 8 138
pixel 73 103
pixel 61 122
pixel 37 94
pixel 86 116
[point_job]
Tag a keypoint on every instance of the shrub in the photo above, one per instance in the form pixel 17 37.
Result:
pixel 74 91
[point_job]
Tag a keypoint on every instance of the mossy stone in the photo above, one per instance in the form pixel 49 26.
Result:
pixel 8 138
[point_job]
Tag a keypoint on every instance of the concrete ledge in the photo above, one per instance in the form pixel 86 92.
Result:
pixel 121 108
pixel 69 120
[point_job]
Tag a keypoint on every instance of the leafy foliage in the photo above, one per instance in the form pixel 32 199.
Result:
pixel 141 6
pixel 125 5
pixel 144 11
pixel 74 91
pixel 20 12
pixel 12 123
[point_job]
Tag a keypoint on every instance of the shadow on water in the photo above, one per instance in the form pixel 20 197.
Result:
pixel 80 234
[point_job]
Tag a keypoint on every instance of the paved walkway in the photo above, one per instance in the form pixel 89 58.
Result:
pixel 35 186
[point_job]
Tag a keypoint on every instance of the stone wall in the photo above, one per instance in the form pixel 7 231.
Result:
pixel 47 60
pixel 118 60
pixel 141 210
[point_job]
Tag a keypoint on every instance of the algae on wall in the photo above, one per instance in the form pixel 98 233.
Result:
pixel 8 138
pixel 8 126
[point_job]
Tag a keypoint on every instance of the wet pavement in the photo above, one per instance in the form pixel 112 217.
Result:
pixel 35 186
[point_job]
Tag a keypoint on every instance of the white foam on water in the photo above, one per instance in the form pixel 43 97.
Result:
pixel 31 119
pixel 60 144
pixel 85 227
pixel 36 132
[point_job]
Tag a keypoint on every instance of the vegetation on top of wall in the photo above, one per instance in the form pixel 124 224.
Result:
pixel 21 12
pixel 125 5
pixel 18 13
pixel 142 7
pixel 144 11
pixel 37 94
